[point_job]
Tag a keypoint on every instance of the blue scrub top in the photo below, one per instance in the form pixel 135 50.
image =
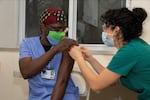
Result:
pixel 41 88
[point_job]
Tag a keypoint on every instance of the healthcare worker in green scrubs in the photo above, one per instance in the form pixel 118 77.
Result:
pixel 122 28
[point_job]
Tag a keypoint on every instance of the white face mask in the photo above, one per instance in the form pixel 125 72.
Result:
pixel 108 42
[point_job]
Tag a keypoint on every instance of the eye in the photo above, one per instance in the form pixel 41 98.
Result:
pixel 104 26
pixel 56 28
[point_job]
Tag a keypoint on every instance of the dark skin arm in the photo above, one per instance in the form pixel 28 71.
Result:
pixel 63 77
pixel 30 67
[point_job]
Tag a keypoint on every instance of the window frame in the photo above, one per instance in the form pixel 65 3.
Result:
pixel 72 21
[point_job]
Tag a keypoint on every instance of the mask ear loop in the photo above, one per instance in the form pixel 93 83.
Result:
pixel 65 31
pixel 114 33
pixel 117 35
pixel 116 30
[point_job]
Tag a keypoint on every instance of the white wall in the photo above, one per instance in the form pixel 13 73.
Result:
pixel 11 88
pixel 145 4
pixel 8 23
pixel 14 88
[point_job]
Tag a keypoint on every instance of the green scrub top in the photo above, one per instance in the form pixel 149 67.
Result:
pixel 132 62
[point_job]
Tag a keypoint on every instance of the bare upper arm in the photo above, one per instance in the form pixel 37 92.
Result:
pixel 23 64
pixel 24 61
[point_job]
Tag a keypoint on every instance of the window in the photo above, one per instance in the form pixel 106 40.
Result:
pixel 83 19
pixel 89 27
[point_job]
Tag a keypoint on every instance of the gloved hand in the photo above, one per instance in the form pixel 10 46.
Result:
pixel 66 44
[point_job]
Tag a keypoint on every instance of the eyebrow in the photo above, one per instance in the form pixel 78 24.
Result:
pixel 56 26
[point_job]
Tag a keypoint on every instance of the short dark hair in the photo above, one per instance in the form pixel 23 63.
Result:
pixel 130 22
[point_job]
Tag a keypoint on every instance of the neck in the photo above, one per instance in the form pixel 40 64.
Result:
pixel 44 40
pixel 120 44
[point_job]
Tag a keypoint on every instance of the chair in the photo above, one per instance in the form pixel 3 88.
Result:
pixel 79 81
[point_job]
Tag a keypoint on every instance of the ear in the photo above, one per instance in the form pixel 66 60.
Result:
pixel 117 30
pixel 43 28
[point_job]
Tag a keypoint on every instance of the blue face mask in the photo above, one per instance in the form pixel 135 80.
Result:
pixel 108 42
pixel 52 40
pixel 55 37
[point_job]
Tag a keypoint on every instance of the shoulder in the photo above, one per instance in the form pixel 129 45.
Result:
pixel 126 50
pixel 124 60
pixel 31 38
pixel 133 46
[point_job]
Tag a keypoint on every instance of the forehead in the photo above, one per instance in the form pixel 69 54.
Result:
pixel 57 25
pixel 107 26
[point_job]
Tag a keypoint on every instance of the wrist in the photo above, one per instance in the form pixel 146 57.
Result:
pixel 79 59
pixel 55 49
pixel 91 59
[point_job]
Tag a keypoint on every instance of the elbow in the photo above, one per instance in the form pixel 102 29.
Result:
pixel 94 88
pixel 25 73
pixel 25 76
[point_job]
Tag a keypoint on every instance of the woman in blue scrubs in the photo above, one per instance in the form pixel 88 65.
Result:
pixel 122 28
pixel 45 62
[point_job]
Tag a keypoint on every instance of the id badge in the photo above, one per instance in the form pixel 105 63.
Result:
pixel 48 74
